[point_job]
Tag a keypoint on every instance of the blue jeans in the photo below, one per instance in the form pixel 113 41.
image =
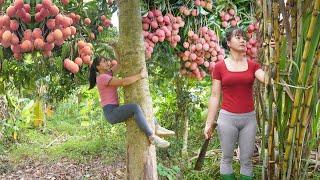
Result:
pixel 117 114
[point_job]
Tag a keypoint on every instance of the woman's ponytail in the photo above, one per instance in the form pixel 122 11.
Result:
pixel 93 73
pixel 92 77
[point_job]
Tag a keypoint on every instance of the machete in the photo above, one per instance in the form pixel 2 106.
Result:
pixel 203 151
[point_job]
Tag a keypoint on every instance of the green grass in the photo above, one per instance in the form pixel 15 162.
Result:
pixel 68 139
pixel 211 166
pixel 65 135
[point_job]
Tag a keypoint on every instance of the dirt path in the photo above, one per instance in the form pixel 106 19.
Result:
pixel 63 169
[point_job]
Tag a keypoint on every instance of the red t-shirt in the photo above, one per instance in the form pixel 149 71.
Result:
pixel 108 94
pixel 237 93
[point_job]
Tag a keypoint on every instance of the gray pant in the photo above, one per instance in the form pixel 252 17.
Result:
pixel 236 129
pixel 117 114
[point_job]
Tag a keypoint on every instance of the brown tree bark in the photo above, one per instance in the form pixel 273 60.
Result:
pixel 182 114
pixel 3 108
pixel 141 156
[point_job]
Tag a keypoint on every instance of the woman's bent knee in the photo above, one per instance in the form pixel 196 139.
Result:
pixel 135 108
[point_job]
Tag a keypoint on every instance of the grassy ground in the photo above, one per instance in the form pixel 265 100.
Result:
pixel 68 136
pixel 69 142
pixel 68 139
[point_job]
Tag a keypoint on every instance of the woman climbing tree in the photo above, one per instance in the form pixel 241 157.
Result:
pixel 236 122
pixel 101 74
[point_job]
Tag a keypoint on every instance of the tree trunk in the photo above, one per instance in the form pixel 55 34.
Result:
pixel 141 156
pixel 3 108
pixel 3 111
pixel 182 114
pixel 184 150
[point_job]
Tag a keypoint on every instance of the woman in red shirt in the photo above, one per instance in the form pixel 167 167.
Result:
pixel 101 74
pixel 236 124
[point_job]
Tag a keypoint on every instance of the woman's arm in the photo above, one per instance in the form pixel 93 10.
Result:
pixel 212 107
pixel 262 76
pixel 128 80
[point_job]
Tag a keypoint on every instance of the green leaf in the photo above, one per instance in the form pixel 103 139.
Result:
pixel 65 50
pixel 1 52
pixel 203 11
pixel 85 123
pixel 38 114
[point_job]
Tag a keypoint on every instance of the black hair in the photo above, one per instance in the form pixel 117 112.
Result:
pixel 93 71
pixel 234 31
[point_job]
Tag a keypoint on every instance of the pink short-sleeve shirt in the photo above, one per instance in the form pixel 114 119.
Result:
pixel 108 94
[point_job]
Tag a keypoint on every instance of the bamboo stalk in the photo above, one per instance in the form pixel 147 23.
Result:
pixel 291 156
pixel 265 25
pixel 295 160
pixel 267 96
pixel 276 59
pixel 271 148
pixel 298 93
pixel 272 107
pixel 307 103
pixel 299 21
pixel 286 26
pixel 269 99
pixel 308 151
pixel 276 31
pixel 263 140
pixel 257 102
pixel 293 13
pixel 280 130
